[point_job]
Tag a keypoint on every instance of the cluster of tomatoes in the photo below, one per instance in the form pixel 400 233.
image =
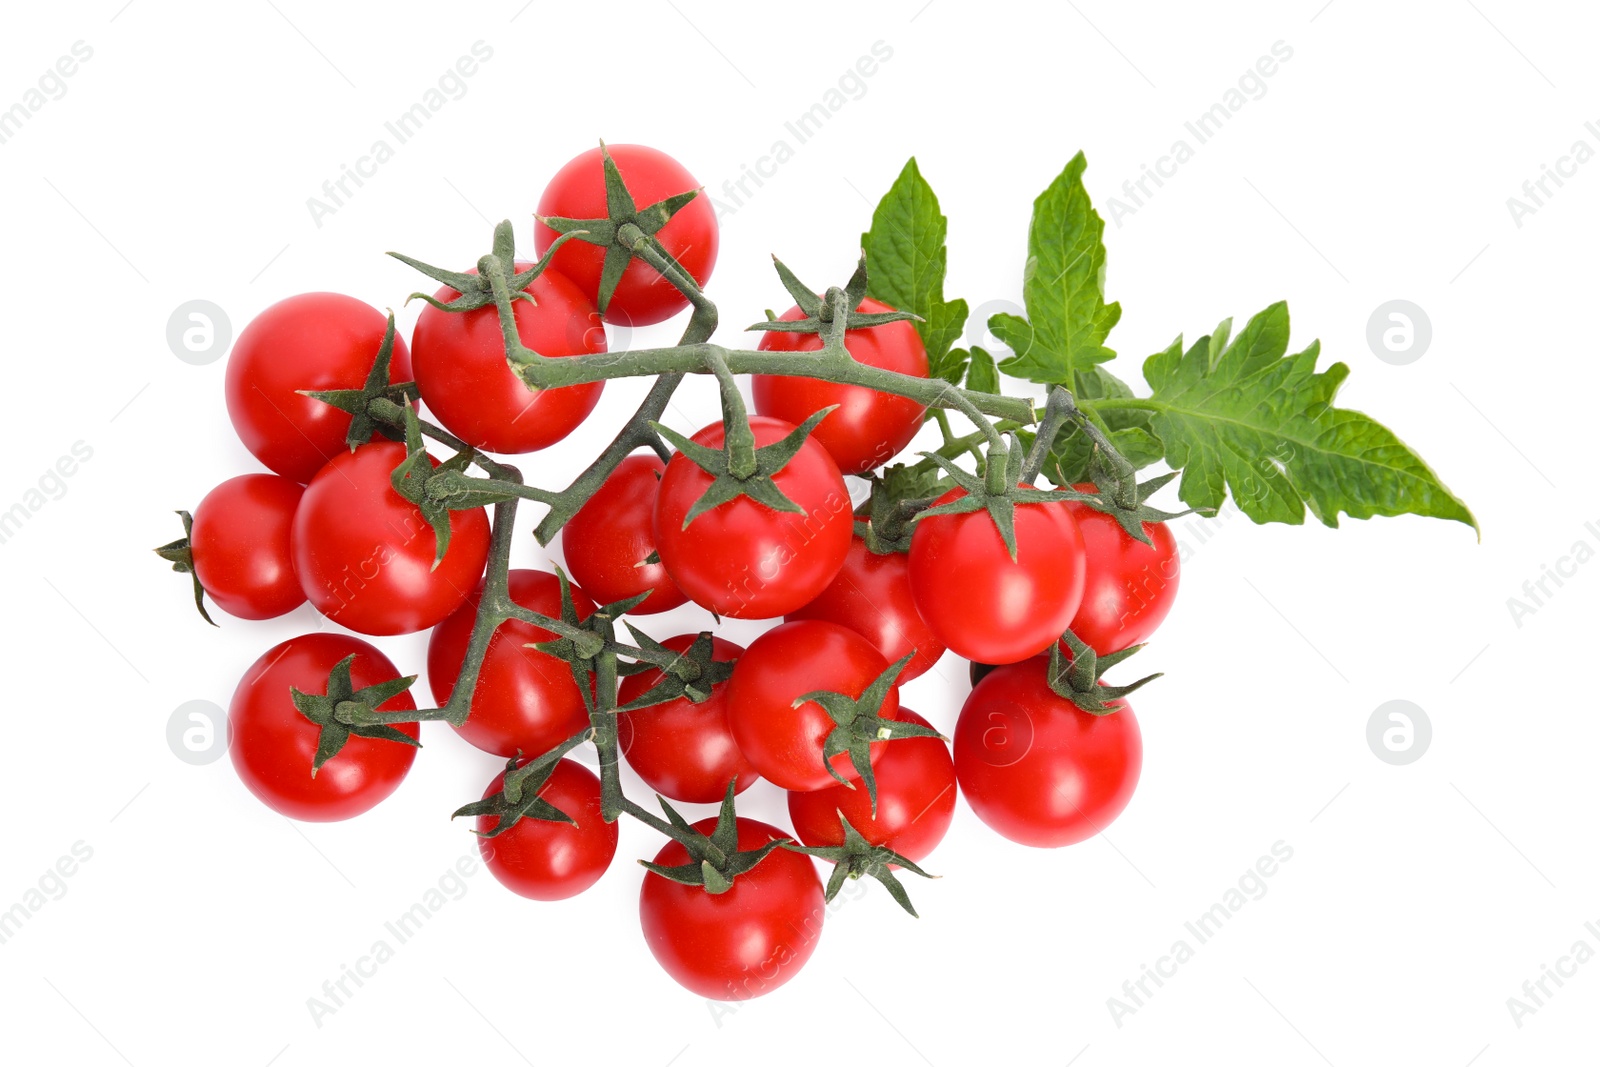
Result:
pixel 329 526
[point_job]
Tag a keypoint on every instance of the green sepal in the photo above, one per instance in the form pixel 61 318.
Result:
pixel 180 554
pixel 344 712
pixel 715 859
pixel 857 857
pixel 1078 679
pixel 518 797
pixel 412 477
pixel 898 493
pixel 692 676
pixel 724 487
pixel 818 312
pixel 473 291
pixel 357 402
pixel 857 725
pixel 1132 520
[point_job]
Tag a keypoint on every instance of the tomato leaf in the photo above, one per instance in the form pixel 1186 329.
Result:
pixel 1064 288
pixel 906 266
pixel 982 377
pixel 1244 418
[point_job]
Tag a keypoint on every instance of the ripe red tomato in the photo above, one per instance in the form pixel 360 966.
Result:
pixel 870 427
pixel 784 742
pixel 872 596
pixel 681 749
pixel 607 542
pixel 552 860
pixel 525 701
pixel 742 559
pixel 578 191
pixel 365 554
pixel 240 543
pixel 1130 585
pixel 460 361
pixel 273 745
pixel 916 799
pixel 980 602
pixel 311 341
pixel 1034 767
pixel 742 943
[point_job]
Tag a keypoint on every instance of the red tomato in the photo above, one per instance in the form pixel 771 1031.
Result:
pixel 462 373
pixel 977 600
pixel 311 341
pixel 784 742
pixel 365 554
pixel 872 596
pixel 578 191
pixel 742 559
pixel 681 749
pixel 916 799
pixel 273 745
pixel 240 543
pixel 1130 585
pixel 742 943
pixel 552 860
pixel 1034 767
pixel 525 701
pixel 870 427
pixel 607 542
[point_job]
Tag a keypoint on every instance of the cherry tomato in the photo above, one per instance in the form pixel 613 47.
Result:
pixel 1130 585
pixel 365 554
pixel 742 559
pixel 311 341
pixel 784 742
pixel 870 427
pixel 462 374
pixel 1034 767
pixel 607 542
pixel 552 860
pixel 916 799
pixel 240 543
pixel 742 943
pixel 578 191
pixel 681 749
pixel 273 745
pixel 981 603
pixel 872 596
pixel 525 701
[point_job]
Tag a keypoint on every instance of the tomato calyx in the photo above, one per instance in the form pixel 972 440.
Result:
pixel 579 641
pixel 474 290
pixel 180 554
pixel 739 468
pixel 822 311
pixel 691 674
pixel 519 797
pixel 715 859
pixel 1078 679
pixel 1001 502
pixel 412 478
pixel 857 724
pixel 1132 518
pixel 858 857
pixel 899 494
pixel 344 711
pixel 624 228
pixel 357 403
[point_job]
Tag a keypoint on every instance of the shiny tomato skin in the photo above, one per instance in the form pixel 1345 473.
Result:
pixel 1035 768
pixel 552 860
pixel 525 701
pixel 240 544
pixel 578 191
pixel 681 749
pixel 742 559
pixel 872 596
pixel 272 745
pixel 783 742
pixel 916 799
pixel 979 602
pixel 606 543
pixel 365 555
pixel 1130 585
pixel 869 428
pixel 310 341
pixel 462 374
pixel 742 943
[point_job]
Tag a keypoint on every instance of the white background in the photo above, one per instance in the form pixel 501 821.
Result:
pixel 1376 166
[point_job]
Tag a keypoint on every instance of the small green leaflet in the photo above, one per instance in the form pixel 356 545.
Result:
pixel 906 264
pixel 1248 420
pixel 1064 288
pixel 982 377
